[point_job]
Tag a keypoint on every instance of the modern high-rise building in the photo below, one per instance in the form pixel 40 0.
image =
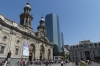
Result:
pixel 61 41
pixel 53 31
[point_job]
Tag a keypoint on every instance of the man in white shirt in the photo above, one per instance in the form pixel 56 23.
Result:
pixel 5 63
pixel 62 63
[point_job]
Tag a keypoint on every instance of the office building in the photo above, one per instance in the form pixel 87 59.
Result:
pixel 61 41
pixel 53 31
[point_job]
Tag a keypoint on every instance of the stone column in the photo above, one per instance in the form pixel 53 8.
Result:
pixel 97 53
pixel 43 55
pixel 28 21
pixel 37 53
pixel 91 55
pixel 70 53
pixel 24 20
pixel 94 54
pixel 12 44
pixel 79 55
pixel 51 52
pixel 46 53
pixel 32 55
pixel 21 49
pixel 84 55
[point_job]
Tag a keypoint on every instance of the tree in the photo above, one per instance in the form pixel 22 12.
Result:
pixel 67 56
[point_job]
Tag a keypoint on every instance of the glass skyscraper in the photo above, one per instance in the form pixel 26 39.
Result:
pixel 53 31
pixel 61 40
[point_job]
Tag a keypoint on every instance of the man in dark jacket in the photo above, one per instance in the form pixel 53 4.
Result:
pixel 76 62
pixel 46 63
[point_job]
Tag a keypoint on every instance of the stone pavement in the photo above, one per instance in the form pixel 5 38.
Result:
pixel 93 64
pixel 69 64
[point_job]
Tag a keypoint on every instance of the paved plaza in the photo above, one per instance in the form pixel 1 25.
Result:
pixel 69 64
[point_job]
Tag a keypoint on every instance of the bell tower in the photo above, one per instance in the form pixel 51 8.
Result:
pixel 26 18
pixel 42 28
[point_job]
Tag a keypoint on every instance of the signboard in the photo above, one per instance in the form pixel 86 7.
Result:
pixel 26 49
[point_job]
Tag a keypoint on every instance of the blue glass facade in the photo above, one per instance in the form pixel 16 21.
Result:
pixel 53 31
pixel 62 41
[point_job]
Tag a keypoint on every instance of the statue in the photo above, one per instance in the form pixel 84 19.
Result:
pixel 9 54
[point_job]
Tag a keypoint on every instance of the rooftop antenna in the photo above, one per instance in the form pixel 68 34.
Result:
pixel 42 15
pixel 28 0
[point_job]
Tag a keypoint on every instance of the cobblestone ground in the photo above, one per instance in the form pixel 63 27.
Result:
pixel 69 64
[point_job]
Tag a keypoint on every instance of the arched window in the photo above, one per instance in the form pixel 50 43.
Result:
pixel 32 47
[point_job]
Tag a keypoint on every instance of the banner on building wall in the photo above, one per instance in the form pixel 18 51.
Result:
pixel 26 49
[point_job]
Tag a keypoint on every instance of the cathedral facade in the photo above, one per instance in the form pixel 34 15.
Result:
pixel 13 36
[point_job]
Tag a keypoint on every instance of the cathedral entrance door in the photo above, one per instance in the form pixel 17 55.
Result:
pixel 30 56
pixel 87 54
pixel 40 56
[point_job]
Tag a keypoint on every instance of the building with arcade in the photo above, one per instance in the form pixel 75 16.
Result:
pixel 86 50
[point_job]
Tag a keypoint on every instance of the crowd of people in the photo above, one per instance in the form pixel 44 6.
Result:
pixel 83 62
pixel 37 62
pixel 3 63
pixel 24 62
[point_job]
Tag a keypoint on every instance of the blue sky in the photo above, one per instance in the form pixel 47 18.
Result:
pixel 79 19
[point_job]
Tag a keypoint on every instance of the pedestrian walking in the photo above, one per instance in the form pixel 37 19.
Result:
pixel 88 61
pixel 46 63
pixel 76 62
pixel 25 62
pixel 82 62
pixel 2 63
pixel 21 63
pixel 5 63
pixel 62 63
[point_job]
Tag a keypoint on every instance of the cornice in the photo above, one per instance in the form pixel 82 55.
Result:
pixel 22 32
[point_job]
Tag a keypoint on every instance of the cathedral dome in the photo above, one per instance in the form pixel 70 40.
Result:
pixel 28 5
pixel 42 19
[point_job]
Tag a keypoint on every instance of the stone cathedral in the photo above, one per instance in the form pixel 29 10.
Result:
pixel 13 36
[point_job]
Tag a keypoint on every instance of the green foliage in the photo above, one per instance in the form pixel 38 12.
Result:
pixel 67 56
